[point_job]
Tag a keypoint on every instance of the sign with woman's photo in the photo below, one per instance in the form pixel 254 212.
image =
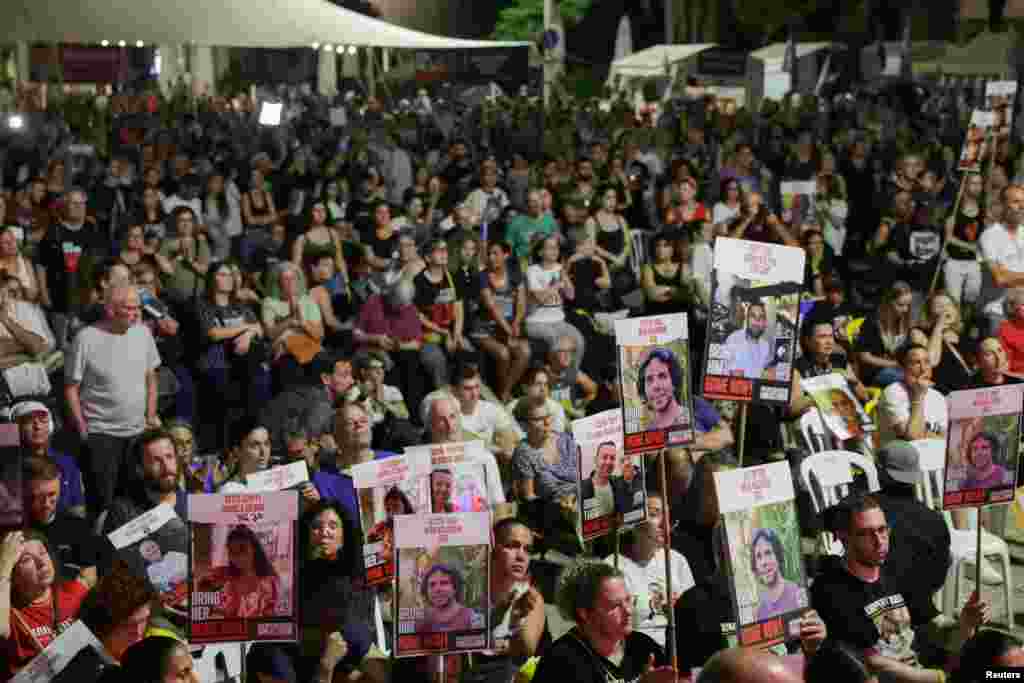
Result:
pixel 983 447
pixel 840 410
pixel 762 532
pixel 751 339
pixel 976 141
pixel 611 489
pixel 654 372
pixel 242 579
pixel 443 583
pixel 155 545
pixel 388 488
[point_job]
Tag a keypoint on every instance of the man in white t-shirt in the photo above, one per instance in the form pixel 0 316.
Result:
pixel 643 566
pixel 446 427
pixel 1002 252
pixel 484 420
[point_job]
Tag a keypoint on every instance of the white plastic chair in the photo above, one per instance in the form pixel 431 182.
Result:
pixel 827 476
pixel 812 429
pixel 929 490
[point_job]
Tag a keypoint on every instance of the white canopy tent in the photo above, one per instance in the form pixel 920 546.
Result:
pixel 652 62
pixel 769 80
pixel 233 23
pixel 228 23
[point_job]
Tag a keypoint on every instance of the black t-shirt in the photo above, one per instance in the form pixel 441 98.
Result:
pixel 915 243
pixel 382 248
pixel 875 616
pixel 870 341
pixel 806 366
pixel 570 658
pixel 584 274
pixel 73 543
pixel 69 258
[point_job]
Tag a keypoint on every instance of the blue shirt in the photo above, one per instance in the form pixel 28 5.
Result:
pixel 705 417
pixel 71 493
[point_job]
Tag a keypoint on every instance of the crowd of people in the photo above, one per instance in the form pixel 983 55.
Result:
pixel 199 312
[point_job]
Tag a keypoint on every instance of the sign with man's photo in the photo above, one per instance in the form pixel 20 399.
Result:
pixel 751 338
pixel 611 492
pixel 654 374
pixel 443 579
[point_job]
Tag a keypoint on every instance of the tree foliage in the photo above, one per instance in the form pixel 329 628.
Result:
pixel 769 17
pixel 524 19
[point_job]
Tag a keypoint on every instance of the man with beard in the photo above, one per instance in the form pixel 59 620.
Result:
pixel 866 606
pixel 1002 260
pixel 442 591
pixel 749 350
pixel 157 463
pixel 659 382
pixel 610 492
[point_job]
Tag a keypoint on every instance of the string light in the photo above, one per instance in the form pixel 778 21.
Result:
pixel 104 43
pixel 328 48
pixel 121 43
pixel 139 43
pixel 316 46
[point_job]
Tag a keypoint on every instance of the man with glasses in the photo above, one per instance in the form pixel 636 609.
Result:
pixel 111 390
pixel 869 608
pixel 603 645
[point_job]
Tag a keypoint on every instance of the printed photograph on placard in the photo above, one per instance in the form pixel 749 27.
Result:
pixel 462 476
pixel 74 656
pixel 611 491
pixel 443 583
pixel 1000 99
pixel 762 531
pixel 983 447
pixel 751 338
pixel 388 488
pixel 976 141
pixel 243 558
pixel 154 545
pixel 839 409
pixel 797 201
pixel 654 375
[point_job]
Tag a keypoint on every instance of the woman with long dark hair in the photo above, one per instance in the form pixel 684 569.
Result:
pixel 333 597
pixel 248 584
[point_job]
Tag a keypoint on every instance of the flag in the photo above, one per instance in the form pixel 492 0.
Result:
pixel 789 60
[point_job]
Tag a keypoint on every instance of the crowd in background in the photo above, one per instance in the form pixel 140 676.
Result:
pixel 206 304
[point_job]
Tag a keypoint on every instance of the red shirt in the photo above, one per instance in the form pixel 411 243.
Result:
pixel 375 318
pixel 1011 334
pixel 38 619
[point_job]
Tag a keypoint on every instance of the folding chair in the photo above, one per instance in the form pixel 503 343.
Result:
pixel 827 475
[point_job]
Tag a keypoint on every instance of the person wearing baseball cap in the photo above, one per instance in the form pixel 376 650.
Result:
pixel 35 426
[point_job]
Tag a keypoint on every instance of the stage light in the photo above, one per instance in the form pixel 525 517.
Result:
pixel 15 121
pixel 270 113
pixel 351 49
pixel 316 46
pixel 328 48
pixel 121 43
pixel 105 43
pixel 139 43
pixel 340 49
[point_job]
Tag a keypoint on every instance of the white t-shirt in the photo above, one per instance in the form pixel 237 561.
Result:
pixel 643 582
pixel 538 278
pixel 894 409
pixel 486 420
pixel 1000 247
pixel 723 213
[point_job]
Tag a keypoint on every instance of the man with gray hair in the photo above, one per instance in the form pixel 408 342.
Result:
pixel 111 390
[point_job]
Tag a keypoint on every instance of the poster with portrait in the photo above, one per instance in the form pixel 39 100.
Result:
pixel 75 655
pixel 797 201
pixel 976 141
pixel 1000 99
pixel 294 475
pixel 443 583
pixel 12 497
pixel 154 545
pixel 751 338
pixel 242 567
pixel 839 409
pixel 461 476
pixel 611 491
pixel 762 532
pixel 654 374
pixel 387 488
pixel 983 446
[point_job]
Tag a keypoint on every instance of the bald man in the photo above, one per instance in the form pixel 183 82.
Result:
pixel 747 665
pixel 111 390
pixel 446 427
